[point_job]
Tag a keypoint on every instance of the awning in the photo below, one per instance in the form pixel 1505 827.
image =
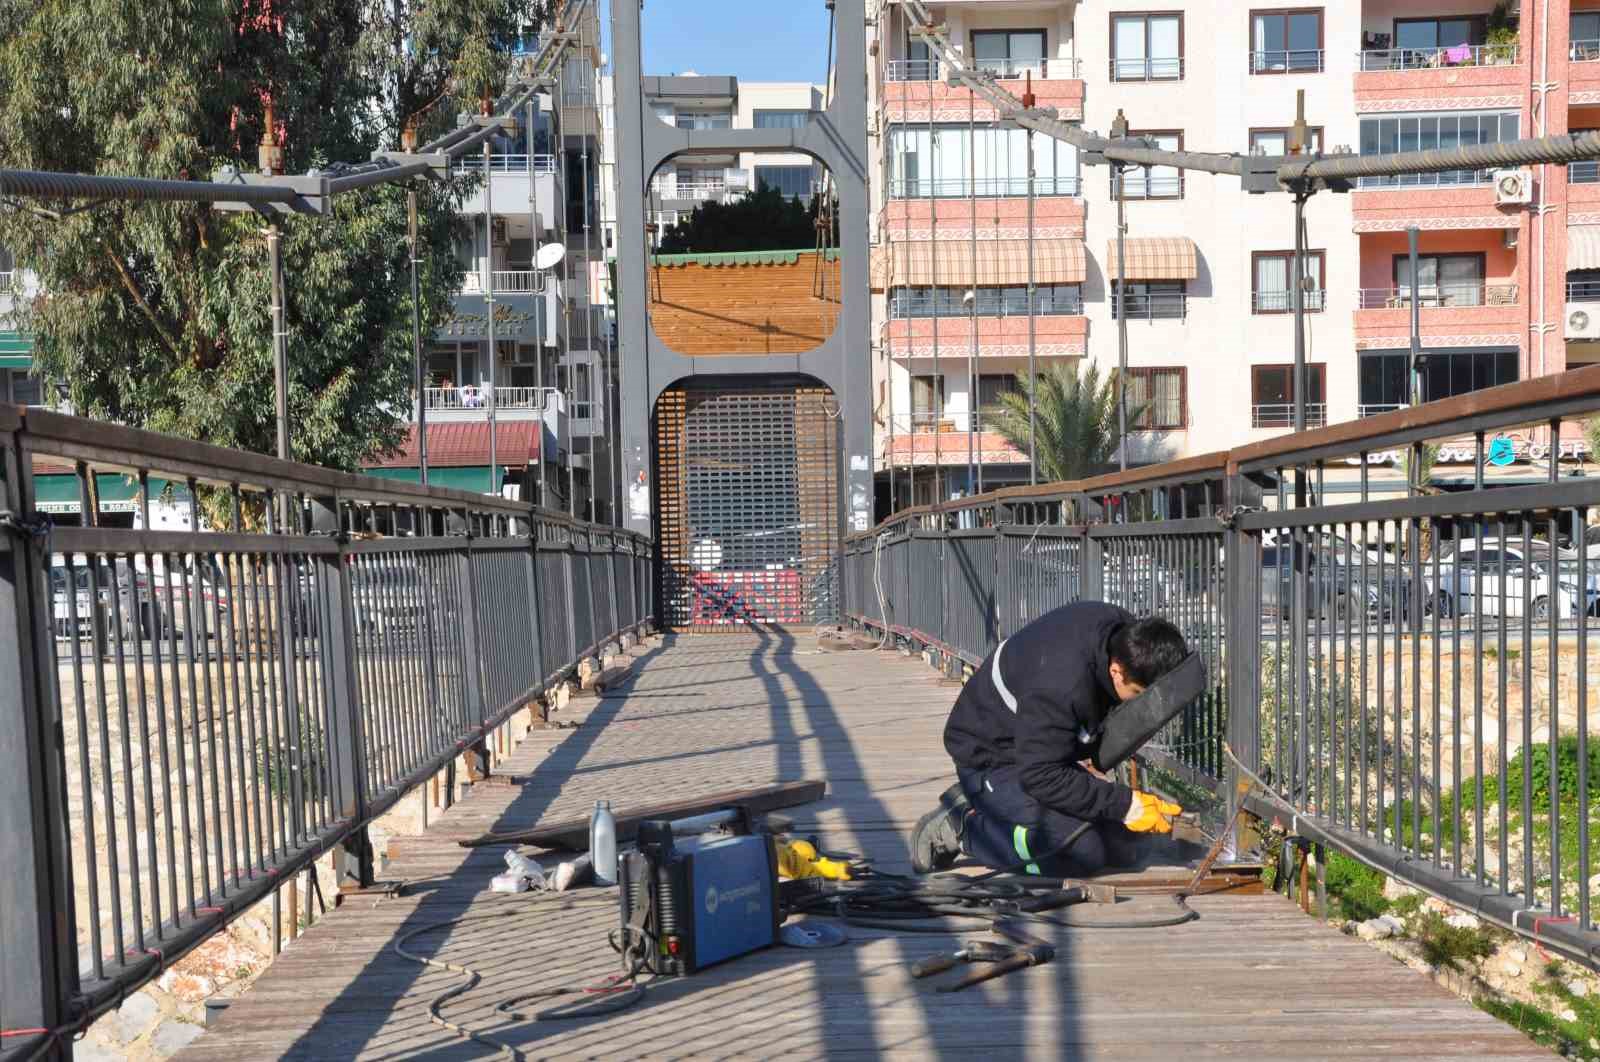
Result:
pixel 949 263
pixel 16 351
pixel 1583 247
pixel 474 478
pixel 1156 258
pixel 465 444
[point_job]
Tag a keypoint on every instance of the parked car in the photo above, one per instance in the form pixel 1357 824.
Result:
pixel 1508 579
pixel 1338 586
pixel 385 597
pixel 150 596
pixel 73 610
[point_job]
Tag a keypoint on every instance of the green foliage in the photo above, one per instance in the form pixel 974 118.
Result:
pixel 1566 773
pixel 1075 413
pixel 157 314
pixel 1545 1026
pixel 1357 887
pixel 1443 944
pixel 762 220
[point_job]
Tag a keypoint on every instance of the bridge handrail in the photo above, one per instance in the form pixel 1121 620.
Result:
pixel 335 641
pixel 1293 570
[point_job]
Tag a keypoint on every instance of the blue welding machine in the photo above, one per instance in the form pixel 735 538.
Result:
pixel 701 901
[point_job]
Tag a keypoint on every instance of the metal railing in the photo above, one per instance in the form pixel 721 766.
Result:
pixel 1170 69
pixel 1313 299
pixel 1441 179
pixel 471 396
pixel 506 282
pixel 1587 172
pixel 1372 409
pixel 1137 184
pixel 505 163
pixel 1389 694
pixel 1437 296
pixel 1162 306
pixel 1583 291
pixel 1438 58
pixel 989 187
pixel 1062 69
pixel 192 717
pixel 1584 51
pixel 987 304
pixel 8 279
pixel 1281 415
pixel 1286 61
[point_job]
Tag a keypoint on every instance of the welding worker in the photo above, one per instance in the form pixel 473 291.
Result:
pixel 1022 734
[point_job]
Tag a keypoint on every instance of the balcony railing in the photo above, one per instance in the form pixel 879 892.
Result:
pixel 984 187
pixel 905 307
pixel 1438 58
pixel 1170 69
pixel 506 282
pixel 1162 306
pixel 505 163
pixel 1281 415
pixel 8 279
pixel 1138 185
pixel 1444 179
pixel 693 190
pixel 1583 291
pixel 1585 172
pixel 1584 51
pixel 1064 69
pixel 1283 301
pixel 1435 296
pixel 472 397
pixel 1287 61
pixel 1372 409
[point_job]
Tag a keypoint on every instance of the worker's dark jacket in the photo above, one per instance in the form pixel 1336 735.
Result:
pixel 1038 701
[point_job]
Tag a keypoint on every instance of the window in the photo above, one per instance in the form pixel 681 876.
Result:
pixel 918 64
pixel 1286 42
pixel 781 119
pixel 927 401
pixel 1585 35
pixel 1431 34
pixel 991 387
pixel 1272 396
pixel 1583 285
pixel 1423 132
pixel 26 389
pixel 921 165
pixel 1442 279
pixel 1151 300
pixel 1152 182
pixel 1008 53
pixel 794 182
pixel 703 120
pixel 1276 141
pixel 1147 47
pixel 1049 300
pixel 1383 384
pixel 1271 292
pixel 1157 398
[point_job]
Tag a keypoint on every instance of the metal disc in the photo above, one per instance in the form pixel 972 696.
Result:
pixel 811 933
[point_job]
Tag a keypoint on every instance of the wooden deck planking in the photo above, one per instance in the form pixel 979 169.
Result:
pixel 702 714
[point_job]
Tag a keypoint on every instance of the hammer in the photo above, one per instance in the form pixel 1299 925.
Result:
pixel 1029 951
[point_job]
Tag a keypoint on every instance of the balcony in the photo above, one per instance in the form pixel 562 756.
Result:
pixel 1459 56
pixel 1372 410
pixel 472 404
pixel 915 87
pixel 982 187
pixel 1449 313
pixel 504 163
pixel 1281 415
pixel 1583 73
pixel 506 282
pixel 1163 306
pixel 1287 61
pixel 509 184
pixel 1058 331
pixel 1431 296
pixel 1586 172
pixel 1169 69
pixel 926 439
pixel 1449 74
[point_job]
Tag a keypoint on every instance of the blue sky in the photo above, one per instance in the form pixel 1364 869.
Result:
pixel 755 40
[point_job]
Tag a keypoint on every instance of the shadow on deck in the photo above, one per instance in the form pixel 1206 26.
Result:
pixel 703 714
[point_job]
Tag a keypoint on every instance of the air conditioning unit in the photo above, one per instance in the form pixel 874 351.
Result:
pixel 1583 321
pixel 1513 187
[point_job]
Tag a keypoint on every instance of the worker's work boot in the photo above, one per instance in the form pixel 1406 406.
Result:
pixel 936 841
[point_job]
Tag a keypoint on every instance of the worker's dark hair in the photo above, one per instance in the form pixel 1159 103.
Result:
pixel 1147 649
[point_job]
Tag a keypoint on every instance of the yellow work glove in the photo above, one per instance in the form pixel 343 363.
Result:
pixel 799 859
pixel 1150 814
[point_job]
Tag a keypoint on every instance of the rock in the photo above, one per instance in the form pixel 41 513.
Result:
pixel 1394 889
pixel 86 1050
pixel 1463 921
pixel 1396 926
pixel 1374 929
pixel 129 1021
pixel 1541 735
pixel 1349 927
pixel 173 1036
pixel 1568 1014
pixel 1511 969
pixel 1433 903
pixel 1578 988
pixel 1517 955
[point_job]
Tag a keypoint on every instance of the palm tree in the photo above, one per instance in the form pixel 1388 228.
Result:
pixel 1075 413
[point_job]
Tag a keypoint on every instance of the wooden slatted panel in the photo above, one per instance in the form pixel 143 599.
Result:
pixel 745 309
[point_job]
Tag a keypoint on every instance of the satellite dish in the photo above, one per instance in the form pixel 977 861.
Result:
pixel 549 256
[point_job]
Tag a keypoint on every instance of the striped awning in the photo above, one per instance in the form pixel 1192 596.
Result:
pixel 1156 258
pixel 950 263
pixel 1583 247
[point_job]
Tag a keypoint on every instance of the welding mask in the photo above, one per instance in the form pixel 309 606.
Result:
pixel 1138 719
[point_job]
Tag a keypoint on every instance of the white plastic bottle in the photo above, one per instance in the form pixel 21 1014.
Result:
pixel 603 843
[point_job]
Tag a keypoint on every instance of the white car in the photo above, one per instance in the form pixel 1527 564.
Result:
pixel 1502 578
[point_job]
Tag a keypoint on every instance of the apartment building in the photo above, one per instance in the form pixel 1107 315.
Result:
pixel 698 101
pixel 17 383
pixel 1508 261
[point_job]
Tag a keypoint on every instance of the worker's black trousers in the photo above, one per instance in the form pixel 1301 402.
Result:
pixel 1009 827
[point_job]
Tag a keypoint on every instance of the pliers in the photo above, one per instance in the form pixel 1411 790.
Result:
pixel 1027 951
